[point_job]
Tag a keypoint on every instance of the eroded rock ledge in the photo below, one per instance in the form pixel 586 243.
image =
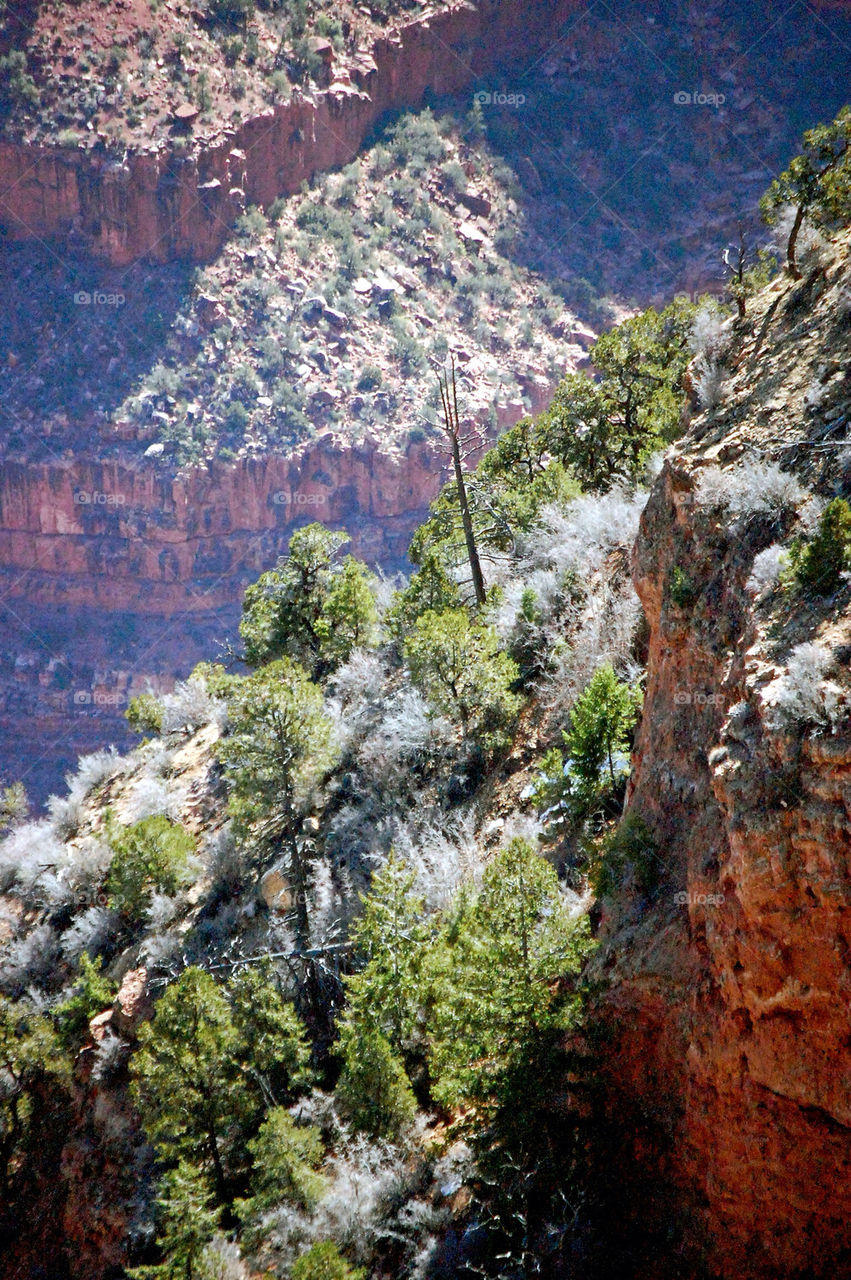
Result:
pixel 175 204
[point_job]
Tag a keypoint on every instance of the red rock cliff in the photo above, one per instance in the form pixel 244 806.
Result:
pixel 180 205
pixel 116 573
pixel 125 536
pixel 729 1074
pixel 131 536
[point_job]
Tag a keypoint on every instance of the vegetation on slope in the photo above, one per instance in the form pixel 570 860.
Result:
pixel 115 73
pixel 371 994
pixel 328 312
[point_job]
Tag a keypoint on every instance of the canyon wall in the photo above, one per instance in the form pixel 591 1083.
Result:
pixel 181 203
pixel 115 575
pixel 729 1071
pixel 131 536
pixel 119 575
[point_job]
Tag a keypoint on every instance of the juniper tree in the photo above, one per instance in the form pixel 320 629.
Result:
pixel 188 1222
pixel 202 1070
pixel 325 1262
pixel 816 184
pixel 578 430
pixel 349 618
pixel 151 856
pixel 604 430
pixel 431 589
pixel 457 663
pixel 503 992
pixel 818 565
pixel 92 992
pixel 285 1157
pixel 311 607
pixel 279 745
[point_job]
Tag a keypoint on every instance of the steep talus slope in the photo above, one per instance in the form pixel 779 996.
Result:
pixel 730 996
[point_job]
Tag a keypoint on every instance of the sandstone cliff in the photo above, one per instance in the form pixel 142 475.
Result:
pixel 180 204
pixel 730 1066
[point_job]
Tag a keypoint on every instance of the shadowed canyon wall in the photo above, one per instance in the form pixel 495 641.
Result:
pixel 729 1068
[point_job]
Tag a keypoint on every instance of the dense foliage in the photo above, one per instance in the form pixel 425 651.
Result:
pixel 207 1066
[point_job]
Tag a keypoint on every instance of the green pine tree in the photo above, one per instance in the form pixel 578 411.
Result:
pixel 816 184
pixel 310 608
pixel 600 724
pixel 818 565
pixel 457 663
pixel 391 937
pixel 279 744
pixel 188 1222
pixel 285 1158
pixel 373 1089
pixel 36 1075
pixel 206 1066
pixel 503 992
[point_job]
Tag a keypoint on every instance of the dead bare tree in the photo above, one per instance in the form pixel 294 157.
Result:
pixel 462 446
pixel 736 260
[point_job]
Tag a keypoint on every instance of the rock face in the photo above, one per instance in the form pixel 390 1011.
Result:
pixel 118 574
pixel 124 536
pixel 730 1069
pixel 181 205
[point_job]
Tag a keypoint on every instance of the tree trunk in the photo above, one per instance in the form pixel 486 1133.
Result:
pixel 298 875
pixel 791 259
pixel 453 431
pixel 218 1168
pixel 467 521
